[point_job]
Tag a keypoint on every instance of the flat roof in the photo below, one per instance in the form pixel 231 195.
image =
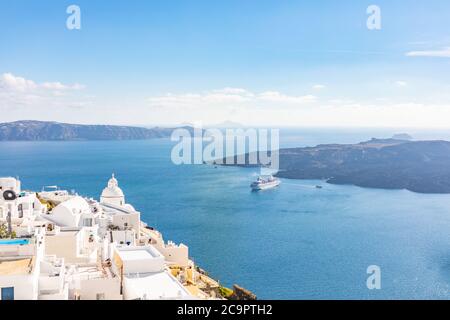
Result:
pixel 158 285
pixel 88 273
pixel 65 233
pixel 15 267
pixel 138 254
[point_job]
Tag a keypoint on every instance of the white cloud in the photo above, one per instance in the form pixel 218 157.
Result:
pixel 8 81
pixel 400 114
pixel 18 91
pixel 400 83
pixel 273 108
pixel 229 97
pixel 236 104
pixel 443 53
pixel 229 90
pixel 26 99
pixel 338 101
pixel 60 86
pixel 318 86
pixel 275 96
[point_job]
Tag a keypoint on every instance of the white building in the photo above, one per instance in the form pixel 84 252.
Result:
pixel 77 246
pixel 124 222
pixel 73 213
pixel 65 246
pixel 112 194
pixel 144 275
pixel 18 207
pixel 27 274
pixel 175 254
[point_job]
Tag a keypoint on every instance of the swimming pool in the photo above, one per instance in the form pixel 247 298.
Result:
pixel 14 241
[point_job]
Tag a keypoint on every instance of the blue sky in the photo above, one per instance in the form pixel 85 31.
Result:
pixel 255 62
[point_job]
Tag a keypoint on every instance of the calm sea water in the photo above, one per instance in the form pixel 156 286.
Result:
pixel 295 241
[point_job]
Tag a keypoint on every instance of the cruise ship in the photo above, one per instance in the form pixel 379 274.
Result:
pixel 263 183
pixel 58 245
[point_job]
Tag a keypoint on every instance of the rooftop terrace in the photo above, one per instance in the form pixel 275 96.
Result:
pixel 16 267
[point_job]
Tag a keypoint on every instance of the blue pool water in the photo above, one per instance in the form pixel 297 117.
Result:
pixel 14 241
pixel 295 241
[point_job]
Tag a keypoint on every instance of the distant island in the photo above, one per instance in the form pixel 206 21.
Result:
pixel 31 130
pixel 419 166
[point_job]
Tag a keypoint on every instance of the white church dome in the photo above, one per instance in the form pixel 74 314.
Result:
pixel 112 193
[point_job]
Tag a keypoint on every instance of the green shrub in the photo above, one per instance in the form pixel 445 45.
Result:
pixel 225 292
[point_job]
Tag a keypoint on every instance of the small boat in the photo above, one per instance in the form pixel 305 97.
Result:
pixel 265 183
pixel 319 187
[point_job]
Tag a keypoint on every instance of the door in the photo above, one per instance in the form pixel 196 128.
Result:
pixel 8 293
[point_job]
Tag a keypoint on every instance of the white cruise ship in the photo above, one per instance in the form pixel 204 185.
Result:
pixel 263 183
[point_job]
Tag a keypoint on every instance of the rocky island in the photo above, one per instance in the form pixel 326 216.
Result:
pixel 31 130
pixel 419 166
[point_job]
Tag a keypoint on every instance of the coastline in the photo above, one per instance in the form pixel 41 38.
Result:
pixel 64 237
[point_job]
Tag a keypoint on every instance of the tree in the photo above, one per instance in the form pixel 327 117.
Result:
pixel 3 231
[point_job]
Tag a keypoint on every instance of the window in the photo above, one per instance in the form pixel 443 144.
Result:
pixel 8 293
pixel 20 208
pixel 87 222
pixel 100 296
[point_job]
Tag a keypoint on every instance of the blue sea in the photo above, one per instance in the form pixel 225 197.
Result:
pixel 292 242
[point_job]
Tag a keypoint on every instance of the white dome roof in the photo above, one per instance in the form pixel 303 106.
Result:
pixel 68 213
pixel 129 207
pixel 112 193
pixel 112 190
pixel 75 205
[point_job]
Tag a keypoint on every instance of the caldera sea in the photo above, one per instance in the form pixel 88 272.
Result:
pixel 292 242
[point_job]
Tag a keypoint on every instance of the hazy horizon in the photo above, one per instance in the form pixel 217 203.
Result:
pixel 222 125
